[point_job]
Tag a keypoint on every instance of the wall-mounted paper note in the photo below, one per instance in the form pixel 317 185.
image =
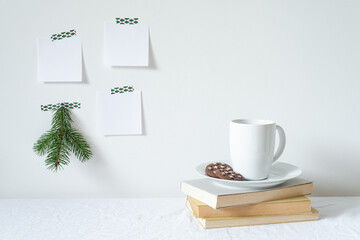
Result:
pixel 126 44
pixel 119 114
pixel 59 61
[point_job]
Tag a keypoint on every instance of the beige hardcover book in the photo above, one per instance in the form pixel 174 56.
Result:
pixel 255 220
pixel 285 206
pixel 218 196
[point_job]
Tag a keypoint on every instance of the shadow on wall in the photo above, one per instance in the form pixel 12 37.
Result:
pixel 341 171
pixel 85 78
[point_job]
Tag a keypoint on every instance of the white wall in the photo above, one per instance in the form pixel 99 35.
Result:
pixel 294 62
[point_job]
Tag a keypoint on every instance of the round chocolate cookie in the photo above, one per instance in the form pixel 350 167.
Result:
pixel 228 175
pixel 211 168
pixel 224 167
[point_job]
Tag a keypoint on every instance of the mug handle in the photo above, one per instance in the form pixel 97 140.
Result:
pixel 282 142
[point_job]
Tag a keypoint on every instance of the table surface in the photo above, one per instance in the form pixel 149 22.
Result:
pixel 162 218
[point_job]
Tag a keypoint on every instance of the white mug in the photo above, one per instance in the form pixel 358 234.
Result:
pixel 252 144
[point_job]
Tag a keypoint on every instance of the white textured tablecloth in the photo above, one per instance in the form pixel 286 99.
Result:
pixel 160 219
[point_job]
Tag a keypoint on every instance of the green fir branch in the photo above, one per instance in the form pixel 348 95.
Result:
pixel 61 119
pixel 60 141
pixel 43 143
pixel 78 145
pixel 58 155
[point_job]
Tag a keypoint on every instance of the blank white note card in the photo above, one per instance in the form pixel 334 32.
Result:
pixel 59 60
pixel 120 114
pixel 126 45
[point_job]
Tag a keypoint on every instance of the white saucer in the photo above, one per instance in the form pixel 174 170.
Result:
pixel 280 172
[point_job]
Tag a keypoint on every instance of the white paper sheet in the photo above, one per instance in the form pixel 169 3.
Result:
pixel 126 45
pixel 120 114
pixel 59 60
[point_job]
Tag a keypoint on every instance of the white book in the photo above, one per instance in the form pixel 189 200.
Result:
pixel 207 223
pixel 218 196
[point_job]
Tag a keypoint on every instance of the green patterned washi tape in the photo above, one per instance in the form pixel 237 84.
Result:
pixel 63 35
pixel 49 107
pixel 123 89
pixel 130 21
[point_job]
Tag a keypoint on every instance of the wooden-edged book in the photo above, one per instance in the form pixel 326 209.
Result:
pixel 255 220
pixel 219 196
pixel 284 206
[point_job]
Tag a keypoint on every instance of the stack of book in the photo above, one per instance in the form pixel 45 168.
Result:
pixel 216 206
